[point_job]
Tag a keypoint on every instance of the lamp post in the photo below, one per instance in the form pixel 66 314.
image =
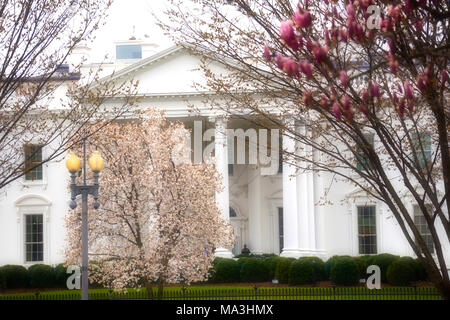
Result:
pixel 73 164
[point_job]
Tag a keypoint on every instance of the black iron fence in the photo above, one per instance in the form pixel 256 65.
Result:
pixel 257 293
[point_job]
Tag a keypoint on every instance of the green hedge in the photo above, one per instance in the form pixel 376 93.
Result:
pixel 226 270
pixel 254 270
pixel 41 276
pixel 419 270
pixel 301 272
pixel 401 272
pixel 363 262
pixel 271 265
pixel 329 264
pixel 282 269
pixel 384 260
pixel 344 271
pixel 243 260
pixel 15 276
pixel 61 276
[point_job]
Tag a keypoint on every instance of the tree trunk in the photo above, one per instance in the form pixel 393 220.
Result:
pixel 160 287
pixel 442 285
pixel 149 287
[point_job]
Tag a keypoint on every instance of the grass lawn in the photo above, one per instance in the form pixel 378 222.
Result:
pixel 242 292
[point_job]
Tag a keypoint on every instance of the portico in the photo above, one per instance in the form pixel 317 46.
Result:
pixel 261 198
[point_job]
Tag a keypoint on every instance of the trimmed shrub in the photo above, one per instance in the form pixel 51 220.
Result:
pixel 363 262
pixel 282 269
pixel 401 272
pixel 320 273
pixel 226 270
pixel 344 271
pixel 254 270
pixel 243 260
pixel 384 260
pixel 15 276
pixel 61 276
pixel 41 276
pixel 301 272
pixel 271 265
pixel 329 264
pixel 419 270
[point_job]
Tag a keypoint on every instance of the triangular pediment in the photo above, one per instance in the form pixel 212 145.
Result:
pixel 170 72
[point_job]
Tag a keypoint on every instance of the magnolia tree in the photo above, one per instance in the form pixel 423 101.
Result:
pixel 158 221
pixel 362 86
pixel 43 100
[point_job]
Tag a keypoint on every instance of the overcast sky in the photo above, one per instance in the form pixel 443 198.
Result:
pixel 124 17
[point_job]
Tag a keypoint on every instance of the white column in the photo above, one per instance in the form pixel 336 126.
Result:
pixel 306 210
pixel 221 157
pixel 255 210
pixel 298 196
pixel 290 203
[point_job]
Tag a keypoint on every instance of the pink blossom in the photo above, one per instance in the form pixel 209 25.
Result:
pixel 343 34
pixel 408 7
pixel 320 53
pixel 444 78
pixel 326 35
pixel 344 78
pixel 408 91
pixel 267 53
pixel 325 102
pixel 337 111
pixel 279 60
pixel 351 10
pixel 365 96
pixel 419 25
pixel 386 25
pixel 374 89
pixel 393 66
pixel 290 67
pixel 307 97
pixel 364 4
pixel 287 34
pixel 421 83
pixel 306 68
pixel 345 101
pixel 302 19
pixel 395 98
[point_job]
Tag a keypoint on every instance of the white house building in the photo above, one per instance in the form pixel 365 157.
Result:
pixel 270 213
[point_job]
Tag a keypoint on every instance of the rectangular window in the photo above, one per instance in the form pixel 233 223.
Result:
pixel 363 162
pixel 421 224
pixel 128 52
pixel 280 228
pixel 422 147
pixel 367 230
pixel 33 162
pixel 34 243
